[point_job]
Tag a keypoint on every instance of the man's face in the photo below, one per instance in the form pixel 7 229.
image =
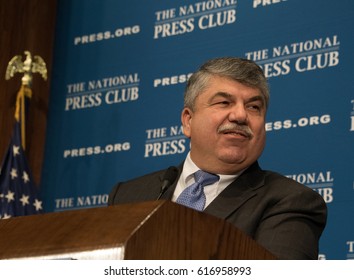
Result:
pixel 227 126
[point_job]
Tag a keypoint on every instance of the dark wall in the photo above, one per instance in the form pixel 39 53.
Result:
pixel 26 25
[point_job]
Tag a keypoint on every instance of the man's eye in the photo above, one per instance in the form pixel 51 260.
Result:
pixel 223 102
pixel 254 107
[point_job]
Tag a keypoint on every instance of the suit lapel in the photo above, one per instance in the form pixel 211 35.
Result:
pixel 237 193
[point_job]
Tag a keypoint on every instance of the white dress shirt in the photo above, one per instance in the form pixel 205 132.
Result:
pixel 211 191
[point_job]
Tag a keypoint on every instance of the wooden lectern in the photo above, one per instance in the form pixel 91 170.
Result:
pixel 148 230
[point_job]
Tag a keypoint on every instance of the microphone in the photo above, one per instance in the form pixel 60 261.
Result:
pixel 168 178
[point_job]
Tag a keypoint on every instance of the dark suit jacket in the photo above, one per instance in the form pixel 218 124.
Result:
pixel 282 215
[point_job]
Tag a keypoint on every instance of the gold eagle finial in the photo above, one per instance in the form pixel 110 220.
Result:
pixel 28 67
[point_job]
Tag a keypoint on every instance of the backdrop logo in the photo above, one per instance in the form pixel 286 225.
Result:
pixel 110 90
pixel 322 182
pixel 164 141
pixel 106 35
pixel 80 202
pixel 350 246
pixel 299 123
pixel 200 15
pixel 260 3
pixel 96 150
pixel 302 56
pixel 172 80
pixel 352 117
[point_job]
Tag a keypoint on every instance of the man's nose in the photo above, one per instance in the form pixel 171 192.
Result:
pixel 238 114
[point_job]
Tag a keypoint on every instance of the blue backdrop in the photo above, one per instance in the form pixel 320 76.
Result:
pixel 118 78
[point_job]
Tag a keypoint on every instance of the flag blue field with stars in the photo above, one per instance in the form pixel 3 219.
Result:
pixel 18 194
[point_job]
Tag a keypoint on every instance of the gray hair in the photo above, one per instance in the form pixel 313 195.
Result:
pixel 241 70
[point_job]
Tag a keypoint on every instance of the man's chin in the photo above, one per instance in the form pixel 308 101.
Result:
pixel 232 157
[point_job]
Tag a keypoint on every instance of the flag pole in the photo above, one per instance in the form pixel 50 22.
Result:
pixel 28 67
pixel 18 193
pixel 20 112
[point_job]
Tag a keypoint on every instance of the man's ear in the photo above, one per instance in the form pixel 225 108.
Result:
pixel 186 118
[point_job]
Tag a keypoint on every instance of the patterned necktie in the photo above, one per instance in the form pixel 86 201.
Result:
pixel 194 196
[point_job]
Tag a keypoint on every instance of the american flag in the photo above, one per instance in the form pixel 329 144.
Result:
pixel 18 193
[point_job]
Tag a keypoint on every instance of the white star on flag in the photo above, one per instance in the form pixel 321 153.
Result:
pixel 37 204
pixel 13 173
pixel 24 199
pixel 6 216
pixel 10 196
pixel 25 177
pixel 16 150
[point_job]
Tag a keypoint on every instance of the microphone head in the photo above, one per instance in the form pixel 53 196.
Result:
pixel 170 174
pixel 168 178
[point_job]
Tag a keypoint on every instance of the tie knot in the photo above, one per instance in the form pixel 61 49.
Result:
pixel 205 178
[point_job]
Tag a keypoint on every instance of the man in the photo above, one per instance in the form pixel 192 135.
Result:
pixel 225 104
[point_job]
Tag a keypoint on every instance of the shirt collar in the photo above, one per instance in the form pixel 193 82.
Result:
pixel 189 168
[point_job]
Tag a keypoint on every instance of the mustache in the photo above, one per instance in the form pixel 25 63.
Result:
pixel 236 128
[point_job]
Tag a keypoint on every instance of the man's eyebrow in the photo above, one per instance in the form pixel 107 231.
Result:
pixel 256 98
pixel 221 94
pixel 231 97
